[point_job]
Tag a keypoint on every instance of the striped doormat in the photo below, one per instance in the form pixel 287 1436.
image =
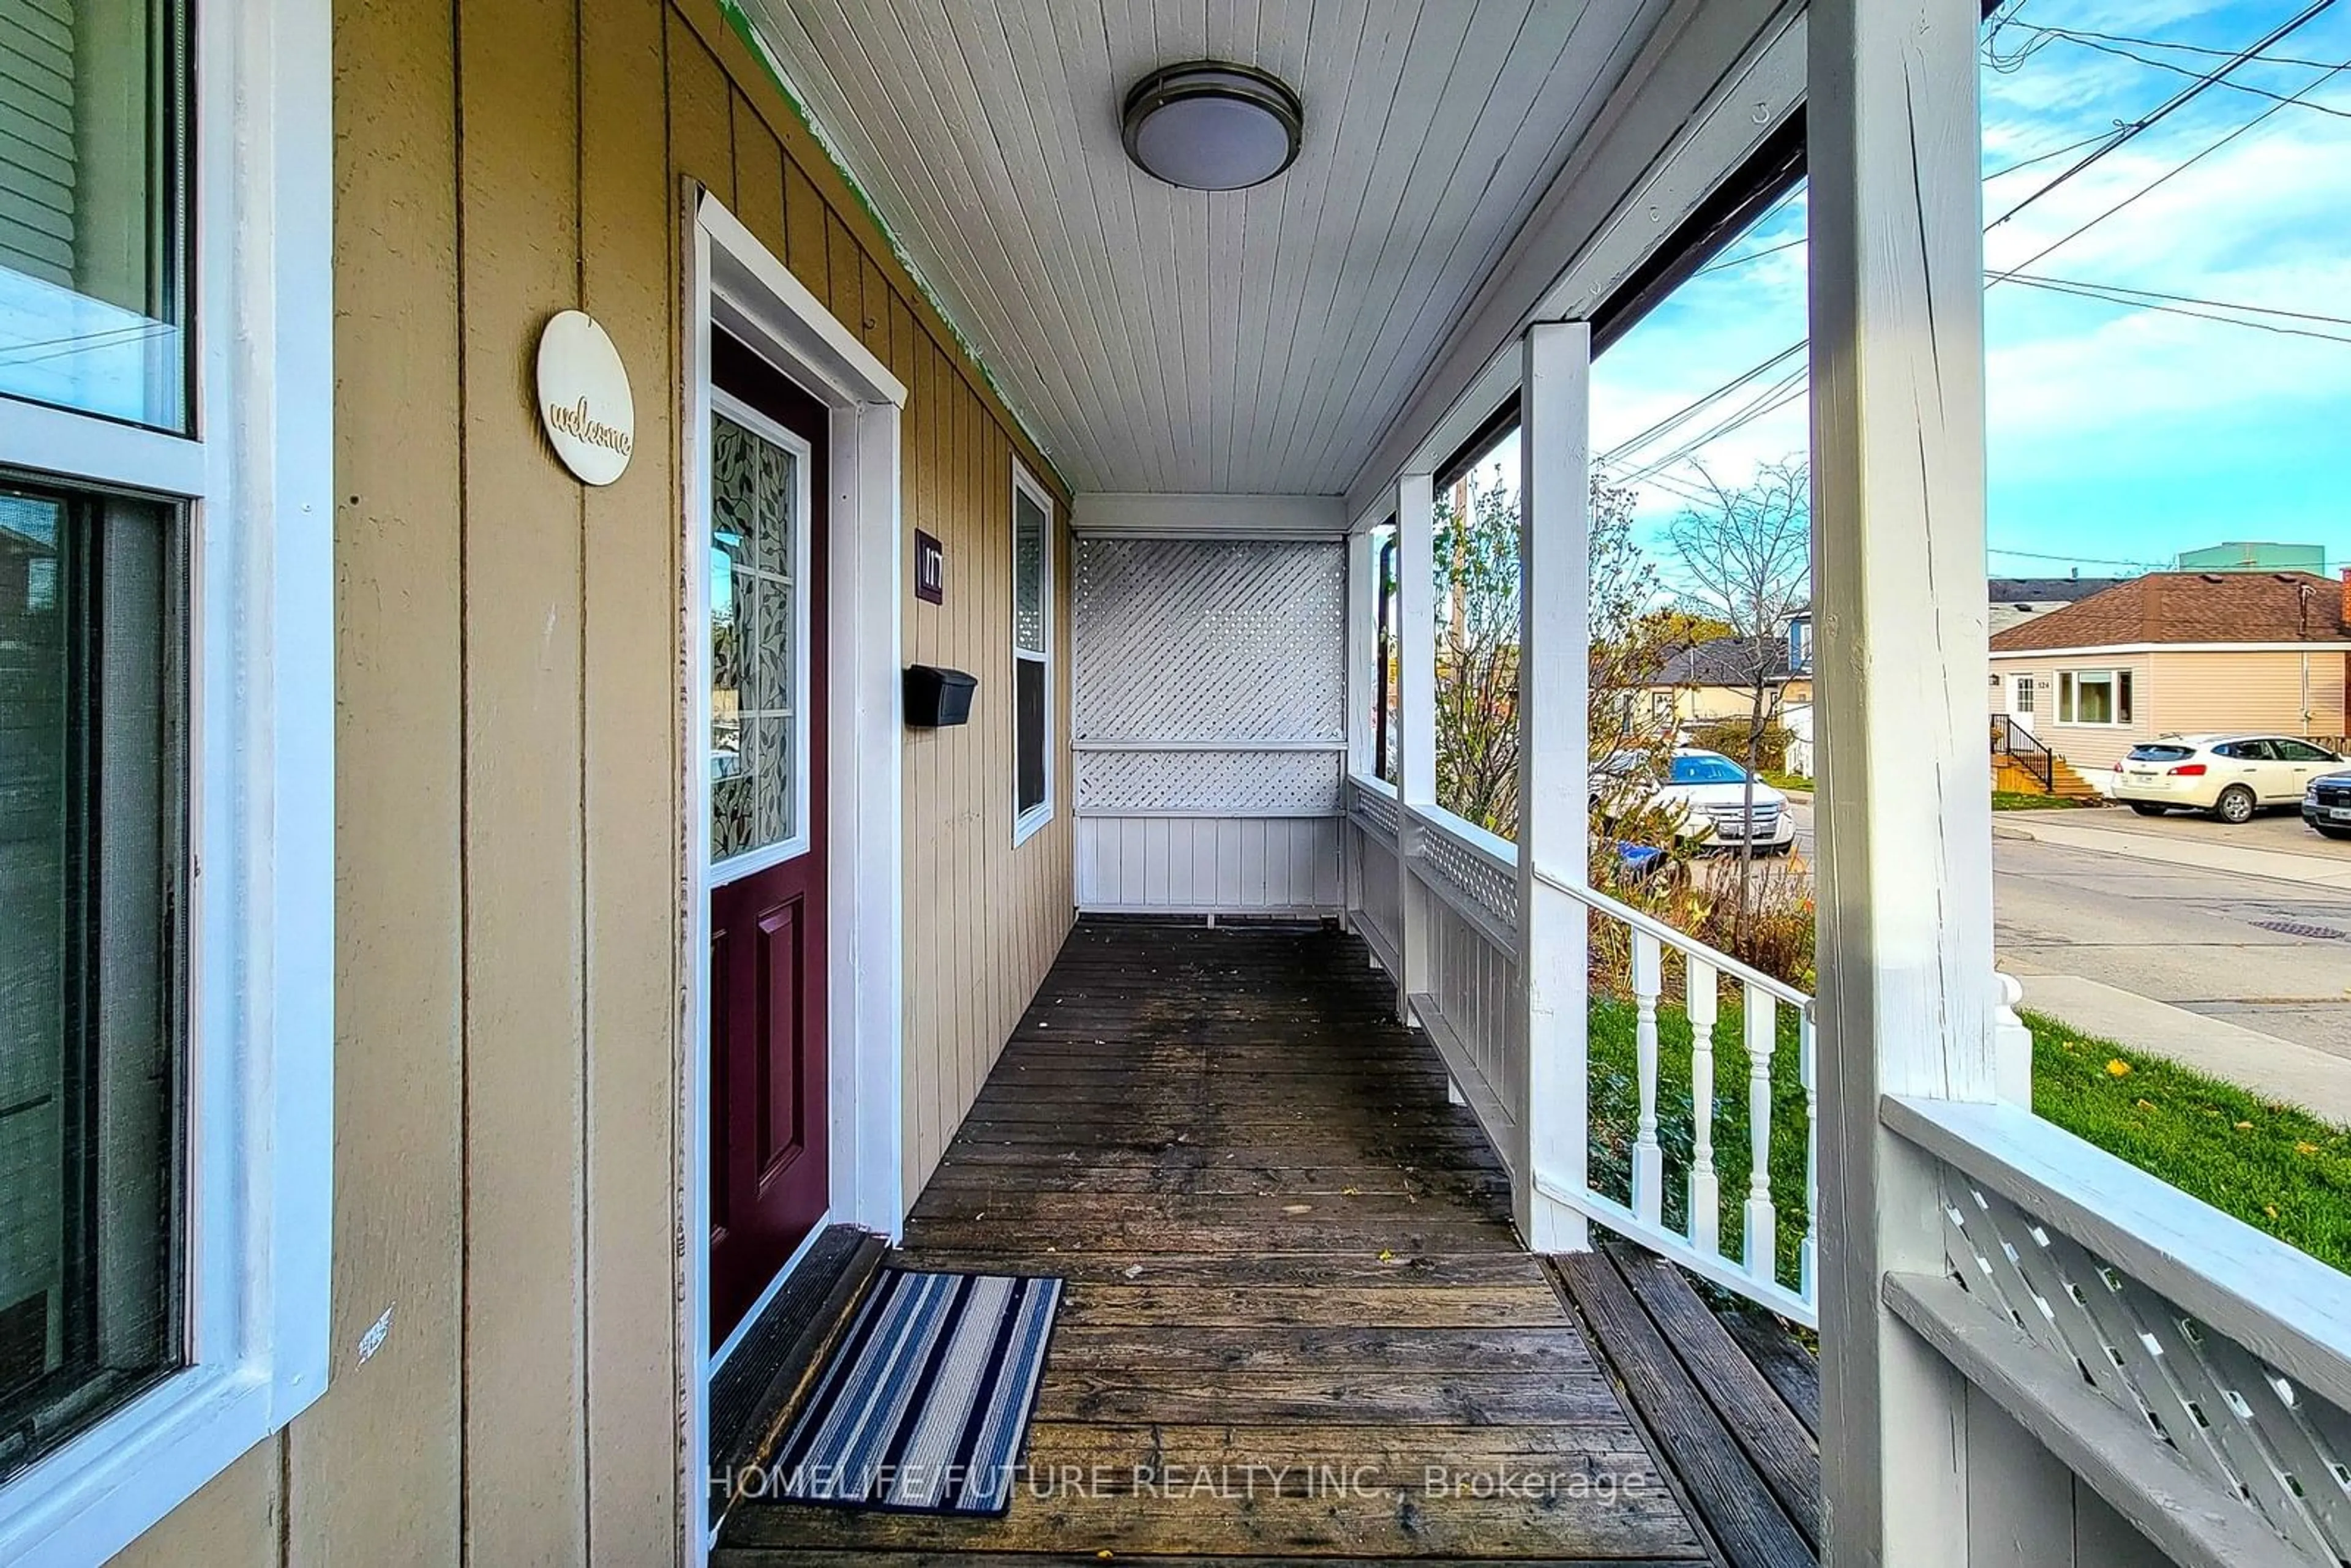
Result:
pixel 923 1408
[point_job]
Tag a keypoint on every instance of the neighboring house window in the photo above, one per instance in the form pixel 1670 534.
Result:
pixel 166 763
pixel 1032 632
pixel 1661 704
pixel 2026 686
pixel 2093 697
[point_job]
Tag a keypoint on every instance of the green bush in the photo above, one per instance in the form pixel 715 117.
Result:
pixel 1730 737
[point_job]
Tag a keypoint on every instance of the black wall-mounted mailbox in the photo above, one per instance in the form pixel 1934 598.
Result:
pixel 936 698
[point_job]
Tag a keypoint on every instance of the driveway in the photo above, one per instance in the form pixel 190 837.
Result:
pixel 2096 910
pixel 2278 830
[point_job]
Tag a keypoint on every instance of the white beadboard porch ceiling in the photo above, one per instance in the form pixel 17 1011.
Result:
pixel 1242 342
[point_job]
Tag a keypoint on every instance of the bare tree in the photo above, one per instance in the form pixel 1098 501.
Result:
pixel 1476 551
pixel 1746 560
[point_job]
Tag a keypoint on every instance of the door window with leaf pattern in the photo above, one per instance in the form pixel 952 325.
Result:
pixel 758 631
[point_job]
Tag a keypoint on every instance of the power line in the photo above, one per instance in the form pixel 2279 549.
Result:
pixel 2178 101
pixel 2092 291
pixel 2185 71
pixel 2169 175
pixel 2113 129
pixel 2083 560
pixel 1769 403
pixel 2075 34
pixel 1724 263
pixel 2184 298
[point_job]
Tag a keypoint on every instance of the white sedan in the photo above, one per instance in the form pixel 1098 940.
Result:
pixel 1707 791
pixel 2230 775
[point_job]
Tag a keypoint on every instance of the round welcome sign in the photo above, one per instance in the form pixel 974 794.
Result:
pixel 583 397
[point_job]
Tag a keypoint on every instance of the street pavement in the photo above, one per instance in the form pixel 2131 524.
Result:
pixel 2160 932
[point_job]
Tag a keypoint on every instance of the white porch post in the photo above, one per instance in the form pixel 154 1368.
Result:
pixel 1363 613
pixel 1416 644
pixel 1554 763
pixel 1905 960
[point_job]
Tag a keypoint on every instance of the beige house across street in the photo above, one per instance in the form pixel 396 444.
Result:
pixel 2178 653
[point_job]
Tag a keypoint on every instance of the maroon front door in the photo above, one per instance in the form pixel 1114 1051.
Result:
pixel 766 831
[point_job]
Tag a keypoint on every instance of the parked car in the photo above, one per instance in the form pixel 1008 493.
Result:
pixel 2230 775
pixel 2327 804
pixel 1708 793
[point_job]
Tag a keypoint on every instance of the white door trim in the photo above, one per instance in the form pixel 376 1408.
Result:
pixel 733 278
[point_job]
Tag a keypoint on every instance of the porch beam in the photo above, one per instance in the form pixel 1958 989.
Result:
pixel 1554 768
pixel 1907 993
pixel 1416 644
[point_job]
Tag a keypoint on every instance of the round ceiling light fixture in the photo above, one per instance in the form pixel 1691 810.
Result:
pixel 1211 126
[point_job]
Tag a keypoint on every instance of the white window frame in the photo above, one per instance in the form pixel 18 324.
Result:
pixel 2069 697
pixel 796 844
pixel 257 482
pixel 1026 823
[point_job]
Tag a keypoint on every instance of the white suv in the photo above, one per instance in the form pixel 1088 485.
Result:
pixel 2230 775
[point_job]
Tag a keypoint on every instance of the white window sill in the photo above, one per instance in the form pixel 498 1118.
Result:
pixel 1024 826
pixel 90 1499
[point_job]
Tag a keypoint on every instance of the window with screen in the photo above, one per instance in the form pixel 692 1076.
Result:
pixel 166 686
pixel 93 792
pixel 1032 632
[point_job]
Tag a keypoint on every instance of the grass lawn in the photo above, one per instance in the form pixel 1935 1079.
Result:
pixel 2020 800
pixel 1795 781
pixel 2276 1168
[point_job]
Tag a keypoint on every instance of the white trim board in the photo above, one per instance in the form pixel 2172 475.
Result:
pixel 1192 516
pixel 732 279
pixel 259 492
pixel 2106 650
pixel 1024 484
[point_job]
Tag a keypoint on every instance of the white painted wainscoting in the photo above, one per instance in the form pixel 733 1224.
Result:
pixel 1209 695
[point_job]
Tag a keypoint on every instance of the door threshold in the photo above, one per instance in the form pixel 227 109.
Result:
pixel 781 1345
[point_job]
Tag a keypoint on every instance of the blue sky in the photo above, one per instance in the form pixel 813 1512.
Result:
pixel 2117 436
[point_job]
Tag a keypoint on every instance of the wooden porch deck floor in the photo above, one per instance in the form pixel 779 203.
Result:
pixel 1298 1321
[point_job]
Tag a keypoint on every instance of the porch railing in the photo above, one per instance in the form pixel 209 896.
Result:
pixel 2020 746
pixel 1746 1026
pixel 1464 991
pixel 2192 1371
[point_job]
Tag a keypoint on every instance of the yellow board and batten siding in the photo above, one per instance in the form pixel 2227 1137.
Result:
pixel 509 1030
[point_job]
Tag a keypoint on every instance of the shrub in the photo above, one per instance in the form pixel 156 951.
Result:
pixel 1730 737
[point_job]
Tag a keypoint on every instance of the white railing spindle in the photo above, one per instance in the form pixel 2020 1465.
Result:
pixel 1648 1159
pixel 1468 947
pixel 1762 1019
pixel 1705 1186
pixel 1808 1070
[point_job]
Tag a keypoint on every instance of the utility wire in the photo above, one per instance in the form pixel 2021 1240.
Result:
pixel 2185 71
pixel 1724 263
pixel 2179 100
pixel 2169 175
pixel 2114 295
pixel 1786 393
pixel 2076 35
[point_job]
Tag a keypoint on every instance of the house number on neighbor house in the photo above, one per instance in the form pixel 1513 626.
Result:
pixel 583 397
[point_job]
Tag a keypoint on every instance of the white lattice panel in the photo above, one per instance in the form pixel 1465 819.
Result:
pixel 1491 886
pixel 2278 1447
pixel 1374 812
pixel 1221 639
pixel 1224 783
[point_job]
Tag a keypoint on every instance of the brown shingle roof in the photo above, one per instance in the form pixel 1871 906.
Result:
pixel 2191 607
